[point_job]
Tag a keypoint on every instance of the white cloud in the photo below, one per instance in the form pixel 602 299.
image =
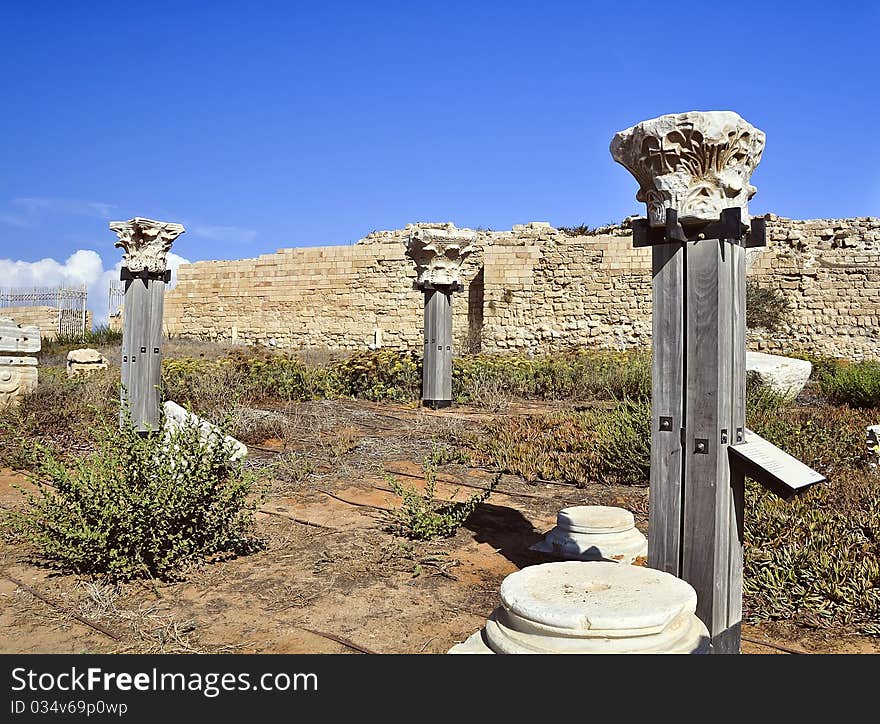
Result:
pixel 27 211
pixel 82 267
pixel 225 233
pixel 34 205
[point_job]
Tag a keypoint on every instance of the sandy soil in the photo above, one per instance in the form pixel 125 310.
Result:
pixel 346 587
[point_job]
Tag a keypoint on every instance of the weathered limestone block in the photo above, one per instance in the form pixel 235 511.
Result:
pixel 439 251
pixel 85 361
pixel 576 607
pixel 176 416
pixel 785 375
pixel 18 377
pixel 698 163
pixel 17 339
pixel 594 533
pixel 146 243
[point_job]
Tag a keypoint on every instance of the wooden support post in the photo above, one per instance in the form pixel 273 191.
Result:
pixel 667 421
pixel 700 447
pixel 142 348
pixel 707 537
pixel 437 360
pixel 145 274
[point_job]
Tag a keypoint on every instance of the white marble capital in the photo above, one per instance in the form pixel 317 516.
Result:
pixel 697 163
pixel 439 251
pixel 146 243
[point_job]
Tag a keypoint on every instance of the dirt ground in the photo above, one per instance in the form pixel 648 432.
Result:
pixel 330 579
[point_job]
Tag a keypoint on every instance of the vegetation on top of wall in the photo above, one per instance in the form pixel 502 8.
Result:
pixel 766 308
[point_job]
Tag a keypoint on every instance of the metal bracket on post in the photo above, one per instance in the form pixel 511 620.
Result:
pixel 729 227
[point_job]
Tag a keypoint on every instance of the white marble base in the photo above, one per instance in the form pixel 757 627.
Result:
pixel 594 533
pixel 177 416
pixel 579 607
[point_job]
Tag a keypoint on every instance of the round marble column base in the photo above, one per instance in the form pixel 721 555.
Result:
pixel 594 533
pixel 579 607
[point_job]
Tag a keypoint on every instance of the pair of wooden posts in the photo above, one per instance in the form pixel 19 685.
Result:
pixel 694 171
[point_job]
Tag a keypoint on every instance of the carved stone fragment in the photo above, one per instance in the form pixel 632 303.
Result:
pixel 18 375
pixel 698 163
pixel 438 251
pixel 146 243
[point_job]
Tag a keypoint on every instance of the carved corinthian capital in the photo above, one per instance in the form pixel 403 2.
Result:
pixel 146 242
pixel 697 163
pixel 439 251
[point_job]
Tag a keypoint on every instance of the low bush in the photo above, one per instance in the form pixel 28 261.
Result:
pixel 815 560
pixel 139 506
pixel 101 336
pixel 855 384
pixel 575 375
pixel 383 374
pixel 605 445
pixel 828 438
pixel 65 410
pixel 420 516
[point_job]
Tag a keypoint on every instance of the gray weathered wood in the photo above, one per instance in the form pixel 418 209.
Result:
pixel 437 360
pixel 708 418
pixel 736 514
pixel 141 363
pixel 667 373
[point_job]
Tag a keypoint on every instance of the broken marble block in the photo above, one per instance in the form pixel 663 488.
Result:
pixel 579 607
pixel 785 375
pixel 594 533
pixel 85 361
pixel 874 443
pixel 176 416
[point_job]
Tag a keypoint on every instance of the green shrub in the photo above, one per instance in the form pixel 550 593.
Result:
pixel 420 516
pixel 383 374
pixel 815 560
pixel 605 445
pixel 101 336
pixel 280 375
pixel 853 384
pixel 575 375
pixel 139 506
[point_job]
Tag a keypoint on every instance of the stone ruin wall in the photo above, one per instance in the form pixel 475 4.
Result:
pixel 531 288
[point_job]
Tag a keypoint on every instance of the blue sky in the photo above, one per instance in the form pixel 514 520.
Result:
pixel 264 125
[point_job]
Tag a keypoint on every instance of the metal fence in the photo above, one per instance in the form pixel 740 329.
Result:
pixel 115 298
pixel 69 301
